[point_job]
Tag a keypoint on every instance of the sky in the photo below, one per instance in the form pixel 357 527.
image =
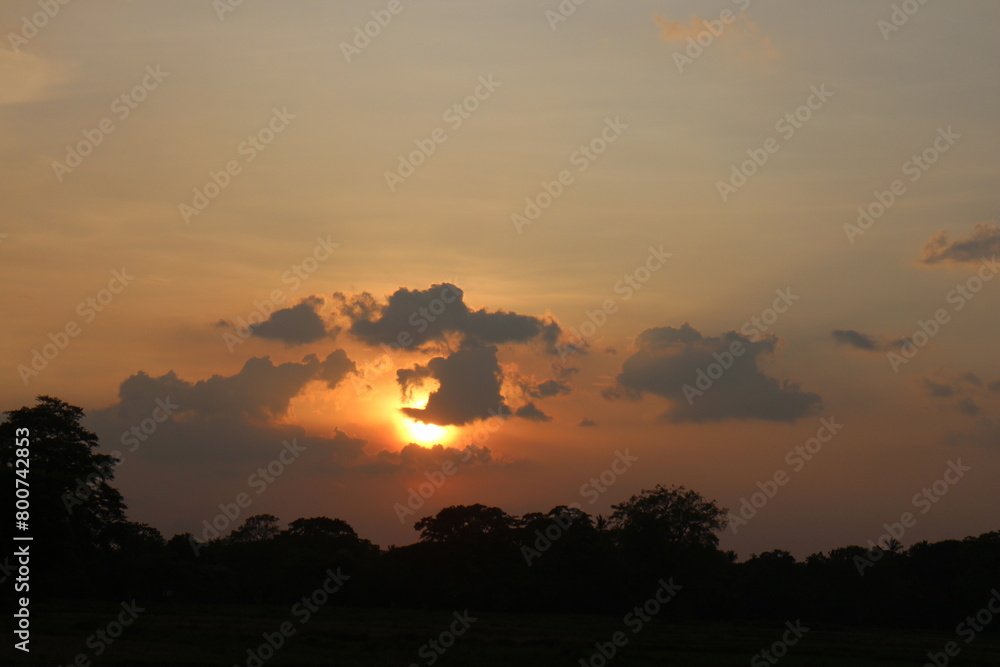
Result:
pixel 526 254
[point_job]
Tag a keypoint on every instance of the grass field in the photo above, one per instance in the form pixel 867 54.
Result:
pixel 222 635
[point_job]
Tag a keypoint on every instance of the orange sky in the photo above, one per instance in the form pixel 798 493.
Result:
pixel 167 171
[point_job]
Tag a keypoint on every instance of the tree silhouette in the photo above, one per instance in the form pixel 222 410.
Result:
pixel 257 528
pixel 669 516
pixel 465 522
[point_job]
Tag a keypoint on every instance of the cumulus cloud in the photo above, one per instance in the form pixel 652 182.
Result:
pixel 335 368
pixel 530 412
pixel 261 389
pixel 297 325
pixel 671 362
pixel 984 243
pixel 222 419
pixel 412 318
pixel 468 390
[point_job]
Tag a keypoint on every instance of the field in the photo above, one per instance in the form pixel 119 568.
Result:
pixel 374 638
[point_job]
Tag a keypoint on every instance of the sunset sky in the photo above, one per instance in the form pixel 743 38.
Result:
pixel 567 219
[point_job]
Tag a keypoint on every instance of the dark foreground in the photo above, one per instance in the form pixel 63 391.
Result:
pixel 222 635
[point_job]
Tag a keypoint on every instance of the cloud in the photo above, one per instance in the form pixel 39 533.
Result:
pixel 586 423
pixel 297 325
pixel 671 362
pixel 985 433
pixel 223 419
pixel 984 243
pixel 855 339
pixel 335 368
pixel 966 394
pixel 936 390
pixel 260 390
pixel 412 318
pixel 741 35
pixel 416 457
pixel 548 389
pixel 468 390
pixel 968 407
pixel 866 342
pixel 532 413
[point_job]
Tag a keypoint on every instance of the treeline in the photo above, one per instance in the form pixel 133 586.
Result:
pixel 476 557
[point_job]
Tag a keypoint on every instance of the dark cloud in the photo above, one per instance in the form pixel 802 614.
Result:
pixel 335 368
pixel 412 318
pixel 261 389
pixel 855 339
pixel 415 457
pixel 548 389
pixel 968 407
pixel 532 413
pixel 985 433
pixel 677 364
pixel 984 243
pixel 587 423
pixel 297 325
pixel 469 387
pixel 866 342
pixel 966 394
pixel 936 390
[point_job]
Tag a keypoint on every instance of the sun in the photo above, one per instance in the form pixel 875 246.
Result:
pixel 423 434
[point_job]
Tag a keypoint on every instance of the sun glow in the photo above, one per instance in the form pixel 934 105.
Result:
pixel 424 434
